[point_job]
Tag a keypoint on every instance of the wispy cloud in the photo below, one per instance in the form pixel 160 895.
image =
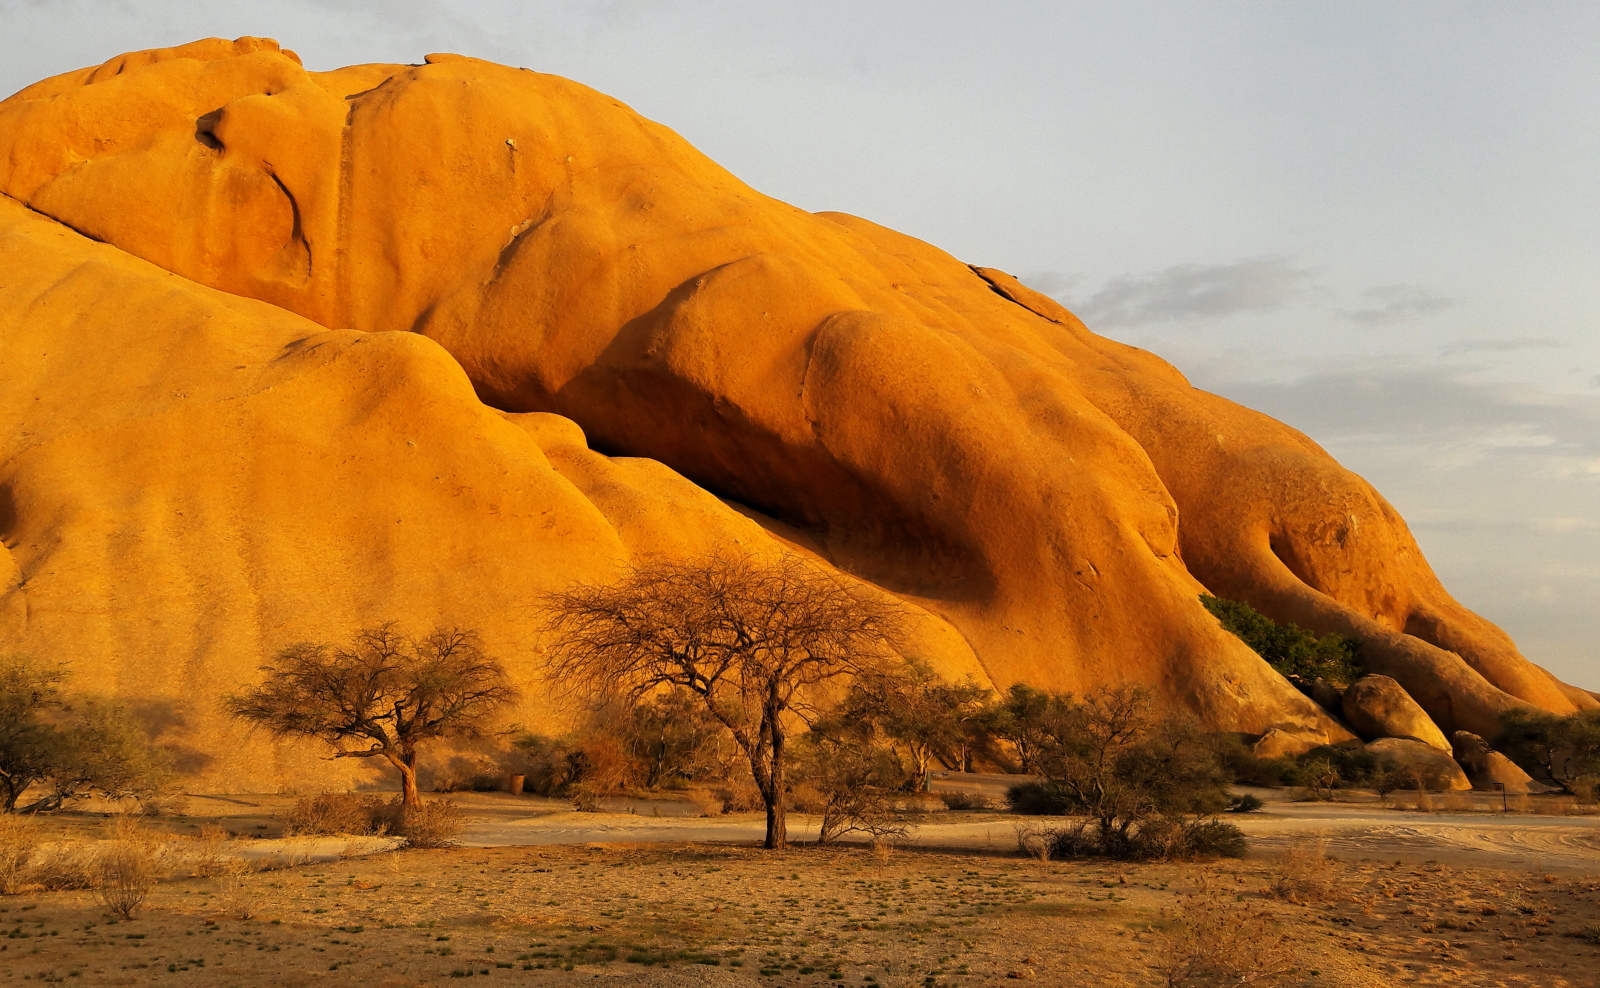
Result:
pixel 1053 283
pixel 1387 304
pixel 1190 292
pixel 1503 345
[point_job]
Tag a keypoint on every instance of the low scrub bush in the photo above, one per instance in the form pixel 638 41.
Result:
pixel 1037 799
pixel 1168 838
pixel 1305 873
pixel 128 866
pixel 964 800
pixel 335 813
pixel 1214 940
pixel 436 823
pixel 1246 803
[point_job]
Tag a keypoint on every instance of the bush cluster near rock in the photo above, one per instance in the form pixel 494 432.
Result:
pixel 1288 648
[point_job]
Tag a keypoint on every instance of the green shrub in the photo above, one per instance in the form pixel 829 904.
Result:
pixel 1291 650
pixel 1245 769
pixel 1216 839
pixel 964 800
pixel 1246 803
pixel 1037 799
pixel 1562 749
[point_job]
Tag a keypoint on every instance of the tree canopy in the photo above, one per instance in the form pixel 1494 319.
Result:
pixel 753 639
pixel 382 695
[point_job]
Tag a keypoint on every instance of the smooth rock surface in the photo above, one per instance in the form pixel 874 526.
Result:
pixel 197 479
pixel 1489 769
pixel 1436 769
pixel 1282 744
pixel 1378 707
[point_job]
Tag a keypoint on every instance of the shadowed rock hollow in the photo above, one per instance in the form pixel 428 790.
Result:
pixel 338 351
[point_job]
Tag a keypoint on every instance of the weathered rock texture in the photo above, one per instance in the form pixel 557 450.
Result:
pixel 196 478
pixel 1277 743
pixel 1435 769
pixel 1377 707
pixel 1489 769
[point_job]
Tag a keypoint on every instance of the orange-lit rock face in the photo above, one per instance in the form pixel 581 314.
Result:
pixel 1057 498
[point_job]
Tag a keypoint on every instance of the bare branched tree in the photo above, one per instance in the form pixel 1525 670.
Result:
pixel 382 696
pixel 752 639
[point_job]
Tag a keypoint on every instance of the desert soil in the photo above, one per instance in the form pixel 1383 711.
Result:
pixel 1402 906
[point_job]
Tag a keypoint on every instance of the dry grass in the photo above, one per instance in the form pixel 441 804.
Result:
pixel 1305 873
pixel 19 847
pixel 1216 940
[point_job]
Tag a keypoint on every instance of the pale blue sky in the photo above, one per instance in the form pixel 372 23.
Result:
pixel 1379 222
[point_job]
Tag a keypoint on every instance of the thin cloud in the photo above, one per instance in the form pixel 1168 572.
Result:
pixel 1387 304
pixel 1052 283
pixel 1190 292
pixel 1438 407
pixel 1506 345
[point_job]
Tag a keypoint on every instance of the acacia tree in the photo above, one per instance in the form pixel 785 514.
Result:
pixel 382 696
pixel 921 714
pixel 752 639
pixel 29 744
pixel 69 745
pixel 1111 759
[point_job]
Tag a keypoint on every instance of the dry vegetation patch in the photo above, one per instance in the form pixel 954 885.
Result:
pixel 839 915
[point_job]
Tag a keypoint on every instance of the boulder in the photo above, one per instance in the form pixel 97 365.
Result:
pixel 1278 743
pixel 1489 769
pixel 1378 707
pixel 1323 693
pixel 1437 770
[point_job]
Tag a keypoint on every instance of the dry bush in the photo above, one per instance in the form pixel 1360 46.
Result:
pixel 1031 836
pixel 1458 802
pixel 882 850
pixel 335 813
pixel 1215 941
pixel 211 847
pixel 67 866
pixel 705 801
pixel 738 797
pixel 965 801
pixel 1519 803
pixel 128 866
pixel 19 851
pixel 1305 873
pixel 435 823
pixel 165 804
pixel 235 897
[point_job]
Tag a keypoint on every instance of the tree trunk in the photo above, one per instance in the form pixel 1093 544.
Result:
pixel 777 824
pixel 406 763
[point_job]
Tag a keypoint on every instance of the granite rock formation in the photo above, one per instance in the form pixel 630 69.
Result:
pixel 1377 707
pixel 1431 768
pixel 291 351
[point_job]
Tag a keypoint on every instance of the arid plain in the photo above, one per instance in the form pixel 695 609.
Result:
pixel 652 898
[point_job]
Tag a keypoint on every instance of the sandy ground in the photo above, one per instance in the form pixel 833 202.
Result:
pixel 543 895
